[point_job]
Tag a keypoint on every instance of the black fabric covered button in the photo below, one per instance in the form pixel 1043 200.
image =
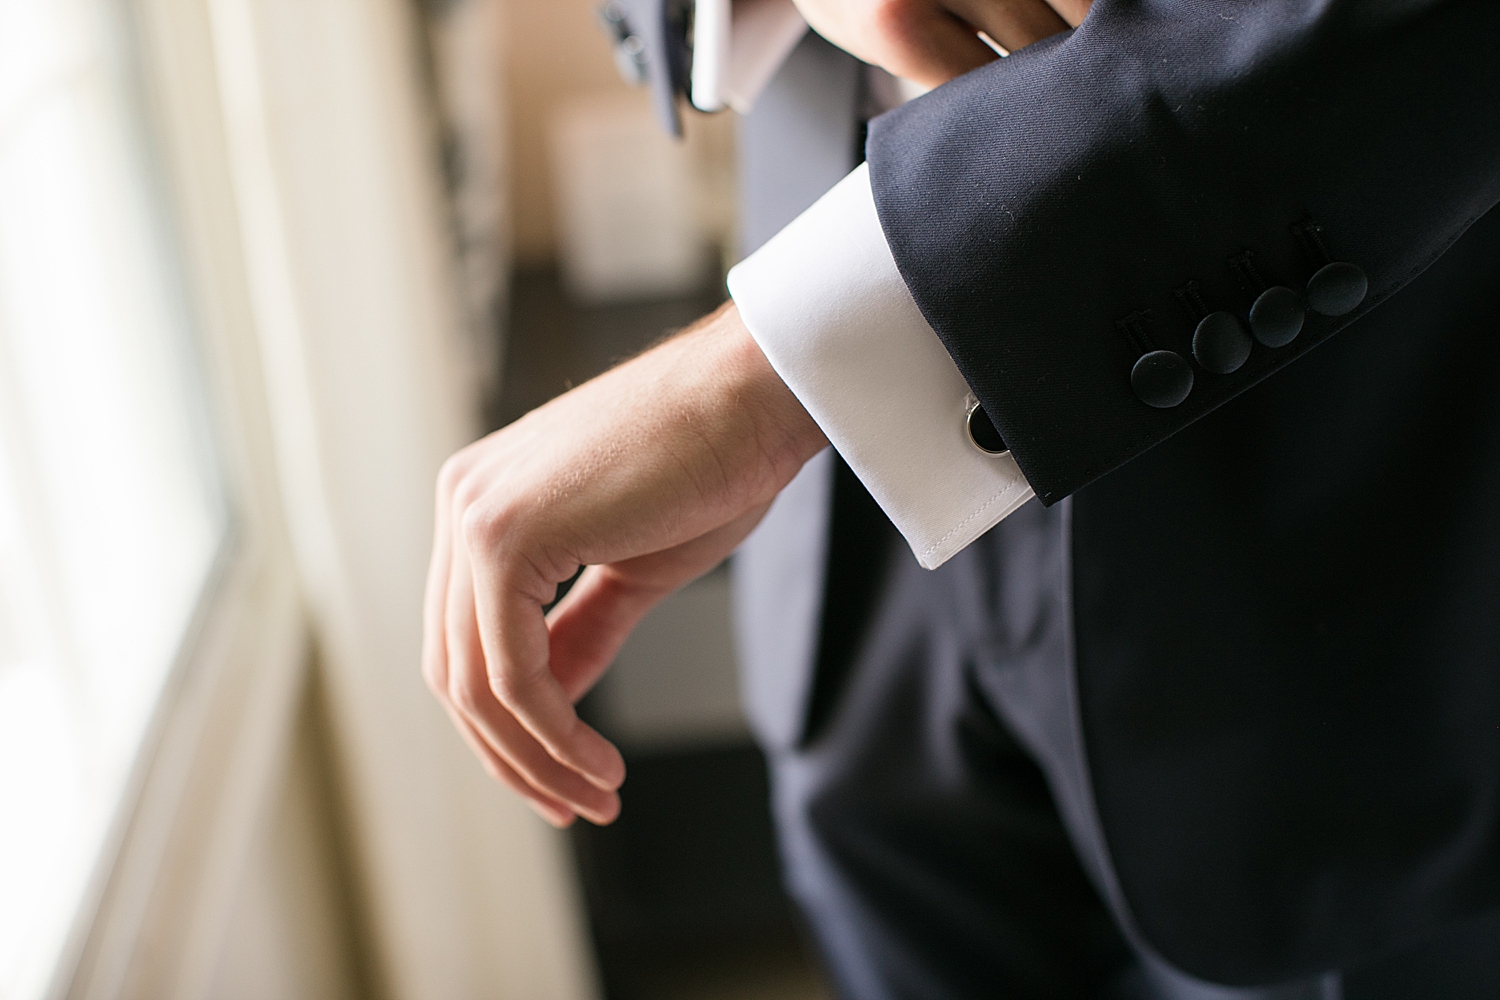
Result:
pixel 1221 344
pixel 1337 288
pixel 982 432
pixel 1162 379
pixel 1276 318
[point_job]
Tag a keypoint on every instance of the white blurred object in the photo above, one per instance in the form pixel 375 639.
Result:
pixel 626 202
pixel 738 45
pixel 712 30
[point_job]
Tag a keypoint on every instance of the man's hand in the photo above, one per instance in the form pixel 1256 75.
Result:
pixel 648 475
pixel 931 41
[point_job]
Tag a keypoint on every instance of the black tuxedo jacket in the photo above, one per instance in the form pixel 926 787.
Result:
pixel 1286 585
pixel 1286 577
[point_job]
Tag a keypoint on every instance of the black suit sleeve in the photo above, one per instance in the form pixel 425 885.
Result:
pixel 1061 213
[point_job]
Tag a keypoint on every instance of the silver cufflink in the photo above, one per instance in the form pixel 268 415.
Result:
pixel 981 430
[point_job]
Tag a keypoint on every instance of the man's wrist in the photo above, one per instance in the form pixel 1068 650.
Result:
pixel 785 432
pixel 832 314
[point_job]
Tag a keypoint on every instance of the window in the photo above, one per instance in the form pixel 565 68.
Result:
pixel 111 518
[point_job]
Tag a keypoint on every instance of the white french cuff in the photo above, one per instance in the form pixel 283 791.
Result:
pixel 826 303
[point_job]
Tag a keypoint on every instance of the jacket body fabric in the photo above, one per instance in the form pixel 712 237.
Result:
pixel 1285 575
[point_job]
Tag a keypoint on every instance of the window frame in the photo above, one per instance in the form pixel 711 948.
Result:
pixel 210 757
pixel 306 187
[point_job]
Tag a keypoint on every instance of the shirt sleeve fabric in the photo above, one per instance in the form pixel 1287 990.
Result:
pixel 826 303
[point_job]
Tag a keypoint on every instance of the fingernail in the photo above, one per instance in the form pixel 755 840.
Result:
pixel 607 815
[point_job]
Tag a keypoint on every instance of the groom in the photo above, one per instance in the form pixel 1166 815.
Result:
pixel 1215 716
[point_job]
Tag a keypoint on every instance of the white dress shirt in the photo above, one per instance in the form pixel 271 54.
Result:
pixel 824 300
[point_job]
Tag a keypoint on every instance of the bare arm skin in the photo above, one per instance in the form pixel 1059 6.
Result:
pixel 932 41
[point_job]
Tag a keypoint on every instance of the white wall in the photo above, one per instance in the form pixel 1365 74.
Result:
pixel 291 930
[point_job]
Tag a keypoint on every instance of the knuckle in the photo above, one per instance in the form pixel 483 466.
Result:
pixel 483 526
pixel 468 494
pixel 891 17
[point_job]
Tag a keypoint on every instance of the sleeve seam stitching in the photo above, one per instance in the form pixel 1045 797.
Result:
pixel 929 550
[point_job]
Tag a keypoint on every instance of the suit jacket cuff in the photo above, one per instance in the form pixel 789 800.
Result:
pixel 824 300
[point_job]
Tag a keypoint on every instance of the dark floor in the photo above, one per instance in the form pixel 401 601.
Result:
pixel 684 897
pixel 683 890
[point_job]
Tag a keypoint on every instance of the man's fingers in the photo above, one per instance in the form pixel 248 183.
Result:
pixel 531 762
pixel 550 809
pixel 435 600
pixel 516 649
pixel 925 44
pixel 1072 11
pixel 1014 24
pixel 469 692
pixel 437 673
pixel 932 41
